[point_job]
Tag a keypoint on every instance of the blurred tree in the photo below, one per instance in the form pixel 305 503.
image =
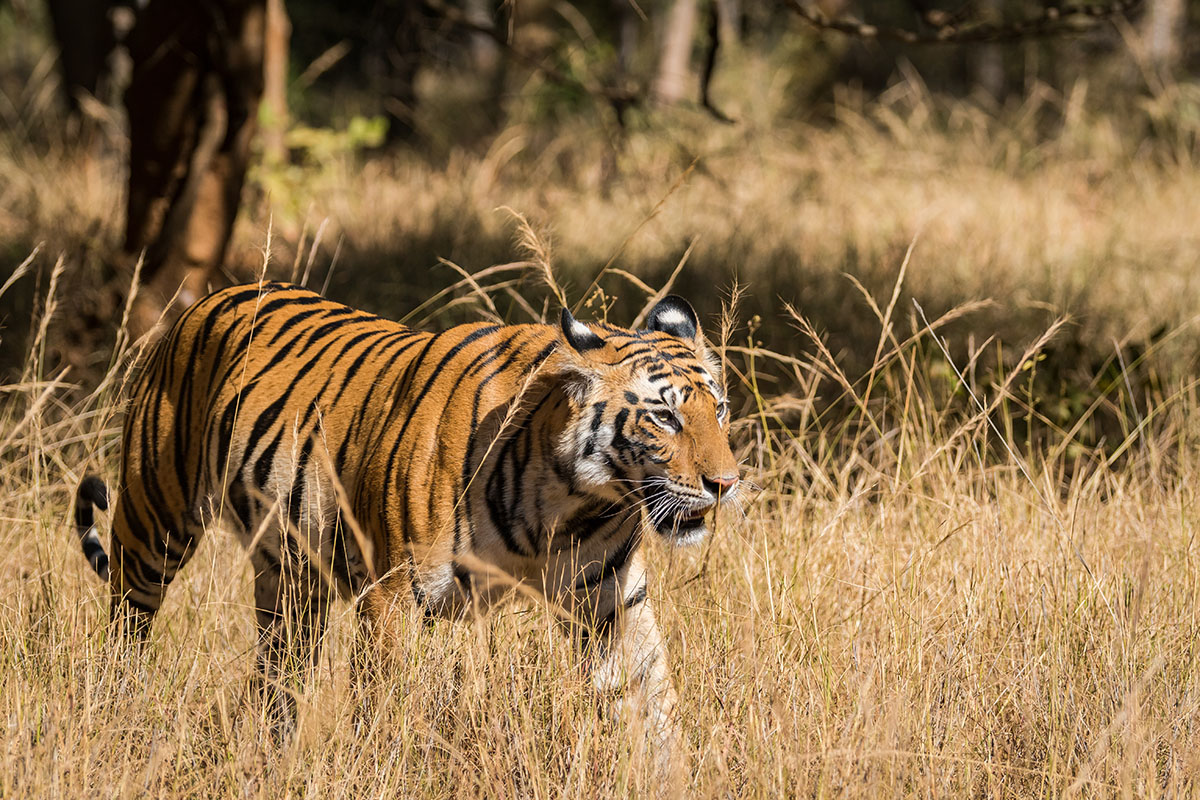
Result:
pixel 969 36
pixel 86 40
pixel 671 83
pixel 275 82
pixel 627 37
pixel 729 14
pixel 1162 34
pixel 987 59
pixel 199 72
pixel 966 24
pixel 192 103
pixel 485 53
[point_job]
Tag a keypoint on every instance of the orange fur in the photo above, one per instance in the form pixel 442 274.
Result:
pixel 356 456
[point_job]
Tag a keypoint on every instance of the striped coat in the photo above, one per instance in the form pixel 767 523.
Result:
pixel 355 456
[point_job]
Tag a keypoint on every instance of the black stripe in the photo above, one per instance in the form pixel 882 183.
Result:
pixel 613 564
pixel 637 598
pixel 296 494
pixel 367 405
pixel 390 489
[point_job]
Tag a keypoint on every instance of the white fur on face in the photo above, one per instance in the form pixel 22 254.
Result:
pixel 592 470
pixel 693 537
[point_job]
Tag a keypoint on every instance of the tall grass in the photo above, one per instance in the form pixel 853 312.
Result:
pixel 916 604
pixel 1049 209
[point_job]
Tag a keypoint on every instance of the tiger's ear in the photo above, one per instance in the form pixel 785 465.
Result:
pixel 579 336
pixel 675 316
pixel 579 372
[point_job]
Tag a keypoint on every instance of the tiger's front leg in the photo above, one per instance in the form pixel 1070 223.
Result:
pixel 628 661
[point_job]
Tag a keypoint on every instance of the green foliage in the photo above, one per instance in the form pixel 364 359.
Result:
pixel 553 100
pixel 321 145
pixel 317 158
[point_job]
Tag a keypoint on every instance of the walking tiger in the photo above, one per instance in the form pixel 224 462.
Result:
pixel 358 457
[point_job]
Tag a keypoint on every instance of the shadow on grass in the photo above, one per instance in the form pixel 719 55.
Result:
pixel 394 275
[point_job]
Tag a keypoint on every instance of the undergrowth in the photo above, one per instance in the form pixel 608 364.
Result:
pixel 917 603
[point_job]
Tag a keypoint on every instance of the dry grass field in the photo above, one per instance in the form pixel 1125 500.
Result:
pixel 954 581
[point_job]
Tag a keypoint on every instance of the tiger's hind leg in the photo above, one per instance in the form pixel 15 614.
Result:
pixel 291 601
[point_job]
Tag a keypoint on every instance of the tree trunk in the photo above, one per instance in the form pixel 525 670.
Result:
pixel 1162 34
pixel 627 37
pixel 84 34
pixel 275 82
pixel 192 103
pixel 485 53
pixel 987 58
pixel 730 16
pixel 675 77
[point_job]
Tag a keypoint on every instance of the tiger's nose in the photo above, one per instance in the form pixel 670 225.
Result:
pixel 720 484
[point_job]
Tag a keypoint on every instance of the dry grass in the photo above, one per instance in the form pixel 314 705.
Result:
pixel 917 604
pixel 898 614
pixel 1049 208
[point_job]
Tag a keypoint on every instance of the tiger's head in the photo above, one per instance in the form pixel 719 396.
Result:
pixel 649 418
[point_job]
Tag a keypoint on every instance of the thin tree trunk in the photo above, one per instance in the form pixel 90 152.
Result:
pixel 1162 33
pixel 987 60
pixel 485 53
pixel 675 76
pixel 730 17
pixel 275 82
pixel 627 36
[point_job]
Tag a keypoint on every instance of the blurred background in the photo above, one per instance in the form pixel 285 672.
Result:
pixel 1034 162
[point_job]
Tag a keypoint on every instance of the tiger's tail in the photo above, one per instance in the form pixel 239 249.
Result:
pixel 92 492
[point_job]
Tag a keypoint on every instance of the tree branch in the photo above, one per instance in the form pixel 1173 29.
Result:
pixel 710 63
pixel 1052 21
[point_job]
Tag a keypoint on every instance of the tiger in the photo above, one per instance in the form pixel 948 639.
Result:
pixel 355 457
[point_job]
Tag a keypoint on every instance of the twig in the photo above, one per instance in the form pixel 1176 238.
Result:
pixel 710 63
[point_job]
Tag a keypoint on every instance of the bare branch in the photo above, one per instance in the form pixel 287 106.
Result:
pixel 1053 21
pixel 710 62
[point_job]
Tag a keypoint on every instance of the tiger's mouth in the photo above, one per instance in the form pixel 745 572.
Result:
pixel 683 526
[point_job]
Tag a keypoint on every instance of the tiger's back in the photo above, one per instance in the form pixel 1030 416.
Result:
pixel 262 395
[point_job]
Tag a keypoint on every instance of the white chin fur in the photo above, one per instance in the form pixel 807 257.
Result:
pixel 688 538
pixel 593 473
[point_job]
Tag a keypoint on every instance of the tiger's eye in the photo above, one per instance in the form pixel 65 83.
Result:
pixel 667 419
